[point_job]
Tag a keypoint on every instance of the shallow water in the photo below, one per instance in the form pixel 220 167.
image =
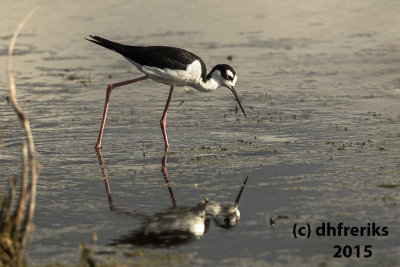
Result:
pixel 320 83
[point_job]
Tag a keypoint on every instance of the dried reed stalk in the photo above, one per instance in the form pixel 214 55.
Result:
pixel 16 220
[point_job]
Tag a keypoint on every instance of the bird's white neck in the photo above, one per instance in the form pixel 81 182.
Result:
pixel 209 85
pixel 212 82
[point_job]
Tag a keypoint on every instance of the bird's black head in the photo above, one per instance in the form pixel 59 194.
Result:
pixel 226 76
pixel 226 73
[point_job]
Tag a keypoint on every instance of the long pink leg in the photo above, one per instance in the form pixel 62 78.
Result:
pixel 164 117
pixel 110 87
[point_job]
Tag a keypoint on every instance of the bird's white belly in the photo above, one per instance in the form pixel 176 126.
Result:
pixel 174 77
pixel 168 76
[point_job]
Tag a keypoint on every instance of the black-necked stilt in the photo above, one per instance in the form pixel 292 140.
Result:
pixel 168 65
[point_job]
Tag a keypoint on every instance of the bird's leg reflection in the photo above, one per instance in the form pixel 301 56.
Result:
pixel 107 185
pixel 164 171
pixel 113 208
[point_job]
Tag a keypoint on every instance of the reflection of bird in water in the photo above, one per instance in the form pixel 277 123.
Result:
pixel 176 225
pixel 179 225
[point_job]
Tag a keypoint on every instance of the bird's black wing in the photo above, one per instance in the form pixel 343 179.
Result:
pixel 153 56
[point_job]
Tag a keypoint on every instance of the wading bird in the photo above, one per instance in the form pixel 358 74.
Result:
pixel 168 65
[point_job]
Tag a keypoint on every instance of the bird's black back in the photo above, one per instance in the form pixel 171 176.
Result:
pixel 153 56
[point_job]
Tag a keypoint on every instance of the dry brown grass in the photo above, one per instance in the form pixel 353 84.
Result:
pixel 17 208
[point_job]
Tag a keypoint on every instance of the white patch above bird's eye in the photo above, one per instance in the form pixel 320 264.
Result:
pixel 229 73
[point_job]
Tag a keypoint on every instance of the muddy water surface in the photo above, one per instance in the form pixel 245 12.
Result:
pixel 320 83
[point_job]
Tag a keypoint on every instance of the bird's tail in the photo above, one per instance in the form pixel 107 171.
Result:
pixel 106 43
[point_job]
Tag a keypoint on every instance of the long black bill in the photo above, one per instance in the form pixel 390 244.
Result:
pixel 240 192
pixel 237 99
